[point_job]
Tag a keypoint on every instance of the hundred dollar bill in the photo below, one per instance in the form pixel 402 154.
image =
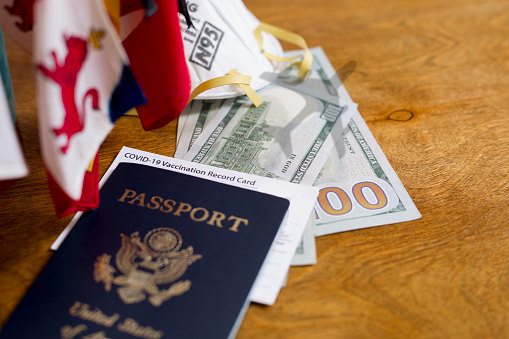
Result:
pixel 281 138
pixel 358 187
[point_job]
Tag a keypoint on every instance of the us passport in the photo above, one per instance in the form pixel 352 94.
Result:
pixel 166 255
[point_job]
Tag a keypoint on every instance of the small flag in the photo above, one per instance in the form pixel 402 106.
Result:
pixel 156 51
pixel 84 83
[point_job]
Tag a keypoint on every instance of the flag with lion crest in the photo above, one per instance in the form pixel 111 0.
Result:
pixel 84 84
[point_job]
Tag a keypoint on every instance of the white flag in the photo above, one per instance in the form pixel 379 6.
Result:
pixel 84 84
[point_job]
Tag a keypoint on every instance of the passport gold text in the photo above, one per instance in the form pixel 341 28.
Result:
pixel 179 209
pixel 97 316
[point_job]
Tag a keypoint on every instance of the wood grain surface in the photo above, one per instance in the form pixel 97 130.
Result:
pixel 432 82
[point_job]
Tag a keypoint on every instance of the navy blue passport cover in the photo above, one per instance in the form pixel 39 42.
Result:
pixel 166 255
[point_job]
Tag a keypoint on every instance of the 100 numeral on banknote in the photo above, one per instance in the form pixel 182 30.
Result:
pixel 358 187
pixel 368 190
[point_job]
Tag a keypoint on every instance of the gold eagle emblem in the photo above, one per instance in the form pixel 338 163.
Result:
pixel 157 260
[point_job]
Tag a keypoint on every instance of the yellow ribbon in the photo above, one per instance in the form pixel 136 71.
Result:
pixel 231 78
pixel 304 65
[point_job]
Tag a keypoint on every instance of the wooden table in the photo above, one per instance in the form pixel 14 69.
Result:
pixel 445 275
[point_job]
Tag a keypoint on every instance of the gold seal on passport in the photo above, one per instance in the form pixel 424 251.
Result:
pixel 157 260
